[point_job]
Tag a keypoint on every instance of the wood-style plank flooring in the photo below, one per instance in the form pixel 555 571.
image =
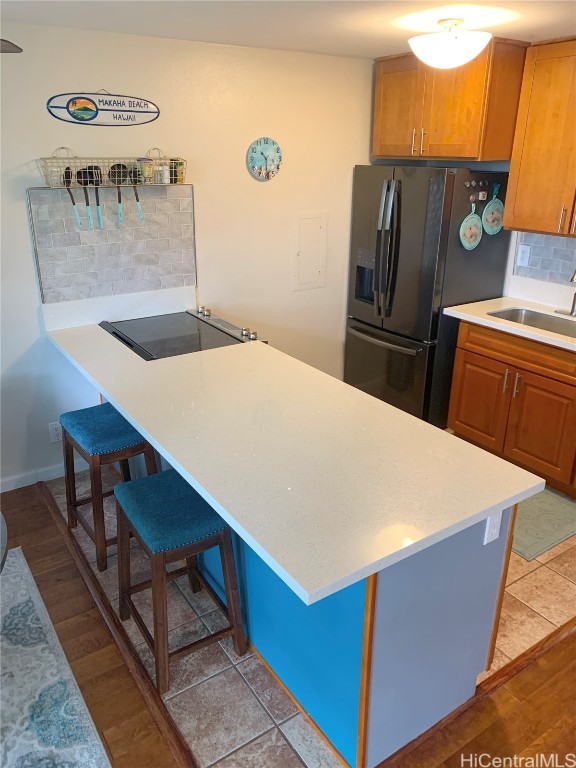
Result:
pixel 533 712
pixel 122 717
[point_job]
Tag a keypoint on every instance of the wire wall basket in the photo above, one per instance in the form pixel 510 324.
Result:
pixel 64 169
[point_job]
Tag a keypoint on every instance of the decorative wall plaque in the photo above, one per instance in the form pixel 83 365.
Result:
pixel 102 109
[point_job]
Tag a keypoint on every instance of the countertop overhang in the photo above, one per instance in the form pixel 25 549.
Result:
pixel 326 483
pixel 478 313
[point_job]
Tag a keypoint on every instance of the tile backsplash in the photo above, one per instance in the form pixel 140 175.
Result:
pixel 552 258
pixel 79 263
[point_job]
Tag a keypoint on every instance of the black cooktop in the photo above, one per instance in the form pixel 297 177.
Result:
pixel 176 334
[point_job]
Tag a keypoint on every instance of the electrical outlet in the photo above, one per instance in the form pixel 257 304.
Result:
pixel 55 432
pixel 523 255
pixel 492 531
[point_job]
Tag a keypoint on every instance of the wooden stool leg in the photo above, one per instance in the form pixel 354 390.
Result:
pixel 70 479
pixel 150 459
pixel 98 513
pixel 232 594
pixel 160 612
pixel 193 580
pixel 125 469
pixel 123 561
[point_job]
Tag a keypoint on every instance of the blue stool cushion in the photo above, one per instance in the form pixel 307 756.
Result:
pixel 100 429
pixel 167 512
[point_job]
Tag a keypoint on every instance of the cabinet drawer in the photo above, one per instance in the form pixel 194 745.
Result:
pixel 555 363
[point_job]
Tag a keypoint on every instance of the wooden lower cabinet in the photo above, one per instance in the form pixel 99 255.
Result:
pixel 480 400
pixel 525 414
pixel 541 427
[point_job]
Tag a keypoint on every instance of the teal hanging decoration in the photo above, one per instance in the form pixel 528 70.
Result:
pixel 471 230
pixel 493 213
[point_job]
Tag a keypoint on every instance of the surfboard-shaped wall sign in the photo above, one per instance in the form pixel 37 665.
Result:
pixel 102 109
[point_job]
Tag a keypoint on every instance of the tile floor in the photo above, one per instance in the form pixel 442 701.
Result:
pixel 540 596
pixel 229 708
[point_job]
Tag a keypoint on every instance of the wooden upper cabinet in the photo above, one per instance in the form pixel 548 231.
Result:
pixel 399 87
pixel 468 112
pixel 453 108
pixel 542 183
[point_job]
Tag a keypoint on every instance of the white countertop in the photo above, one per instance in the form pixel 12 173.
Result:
pixel 478 313
pixel 326 483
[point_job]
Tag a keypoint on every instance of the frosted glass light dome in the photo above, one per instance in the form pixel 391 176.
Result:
pixel 451 48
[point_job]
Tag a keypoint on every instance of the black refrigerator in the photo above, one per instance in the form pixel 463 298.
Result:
pixel 421 240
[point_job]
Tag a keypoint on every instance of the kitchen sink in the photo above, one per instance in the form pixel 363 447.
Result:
pixel 537 320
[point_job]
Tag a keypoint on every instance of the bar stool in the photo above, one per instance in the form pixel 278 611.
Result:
pixel 101 436
pixel 172 522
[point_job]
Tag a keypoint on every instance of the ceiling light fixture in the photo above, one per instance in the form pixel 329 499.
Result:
pixel 450 48
pixel 7 47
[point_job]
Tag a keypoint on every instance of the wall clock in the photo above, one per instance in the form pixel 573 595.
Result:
pixel 263 159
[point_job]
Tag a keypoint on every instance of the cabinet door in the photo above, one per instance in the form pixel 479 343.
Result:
pixel 541 433
pixel 480 399
pixel 453 109
pixel 397 107
pixel 542 179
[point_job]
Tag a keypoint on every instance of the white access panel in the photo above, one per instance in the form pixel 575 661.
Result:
pixel 310 245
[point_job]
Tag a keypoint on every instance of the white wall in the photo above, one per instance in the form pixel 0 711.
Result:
pixel 214 100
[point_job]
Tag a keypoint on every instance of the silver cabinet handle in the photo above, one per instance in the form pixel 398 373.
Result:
pixel 505 385
pixel 422 134
pixel 413 140
pixel 573 227
pixel 561 222
pixel 516 380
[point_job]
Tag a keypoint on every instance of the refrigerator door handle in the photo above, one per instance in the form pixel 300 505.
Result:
pixel 386 344
pixel 389 204
pixel 387 271
pixel 382 204
pixel 376 283
pixel 394 250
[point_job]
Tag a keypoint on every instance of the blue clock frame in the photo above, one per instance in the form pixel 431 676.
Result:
pixel 263 159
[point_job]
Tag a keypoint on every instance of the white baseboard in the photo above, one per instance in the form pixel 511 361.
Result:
pixel 13 482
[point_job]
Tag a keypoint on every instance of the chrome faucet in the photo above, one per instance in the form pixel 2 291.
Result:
pixel 572 311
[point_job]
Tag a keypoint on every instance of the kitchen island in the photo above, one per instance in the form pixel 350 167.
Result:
pixel 365 581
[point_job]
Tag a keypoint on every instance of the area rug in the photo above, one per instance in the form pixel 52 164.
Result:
pixel 45 722
pixel 542 522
